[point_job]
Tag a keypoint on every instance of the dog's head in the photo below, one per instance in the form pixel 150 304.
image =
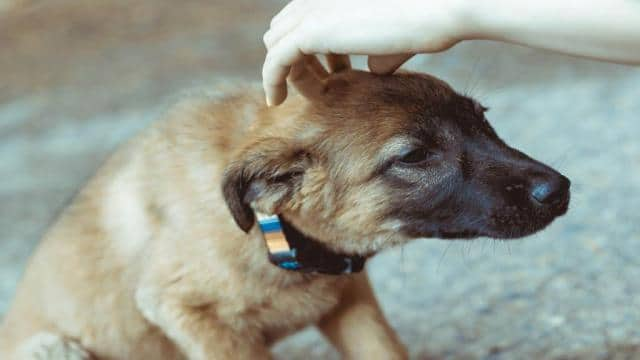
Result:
pixel 370 161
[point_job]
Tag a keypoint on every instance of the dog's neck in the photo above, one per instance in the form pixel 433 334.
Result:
pixel 304 254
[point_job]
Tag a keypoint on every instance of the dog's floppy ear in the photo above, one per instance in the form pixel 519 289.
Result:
pixel 263 177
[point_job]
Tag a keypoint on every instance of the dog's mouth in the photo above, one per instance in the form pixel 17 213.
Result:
pixel 461 234
pixel 501 223
pixel 513 223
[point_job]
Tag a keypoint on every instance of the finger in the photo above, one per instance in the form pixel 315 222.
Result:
pixel 387 64
pixel 276 33
pixel 275 70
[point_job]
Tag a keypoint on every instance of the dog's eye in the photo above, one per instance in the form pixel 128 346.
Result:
pixel 415 156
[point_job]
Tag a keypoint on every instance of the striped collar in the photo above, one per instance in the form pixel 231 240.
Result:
pixel 289 249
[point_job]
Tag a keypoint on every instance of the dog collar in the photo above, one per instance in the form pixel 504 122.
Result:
pixel 289 249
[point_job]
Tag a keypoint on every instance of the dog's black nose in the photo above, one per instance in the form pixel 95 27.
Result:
pixel 552 190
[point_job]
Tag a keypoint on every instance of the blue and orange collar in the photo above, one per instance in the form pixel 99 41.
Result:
pixel 289 249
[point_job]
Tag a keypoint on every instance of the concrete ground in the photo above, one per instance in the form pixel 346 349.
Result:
pixel 77 78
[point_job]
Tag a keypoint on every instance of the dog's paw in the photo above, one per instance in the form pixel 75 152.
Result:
pixel 48 346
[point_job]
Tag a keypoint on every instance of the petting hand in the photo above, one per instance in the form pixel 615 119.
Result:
pixel 389 32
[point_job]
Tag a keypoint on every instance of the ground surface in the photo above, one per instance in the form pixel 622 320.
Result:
pixel 79 77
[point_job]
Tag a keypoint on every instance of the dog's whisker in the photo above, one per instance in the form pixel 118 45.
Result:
pixel 483 244
pixel 403 271
pixel 562 157
pixel 473 78
pixel 450 243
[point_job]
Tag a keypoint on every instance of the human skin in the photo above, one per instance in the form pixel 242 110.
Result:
pixel 391 32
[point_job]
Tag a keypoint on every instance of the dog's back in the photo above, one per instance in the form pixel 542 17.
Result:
pixel 93 249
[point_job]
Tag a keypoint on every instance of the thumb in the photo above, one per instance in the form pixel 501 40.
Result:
pixel 387 64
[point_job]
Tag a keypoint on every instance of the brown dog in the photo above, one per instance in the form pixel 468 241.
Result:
pixel 159 257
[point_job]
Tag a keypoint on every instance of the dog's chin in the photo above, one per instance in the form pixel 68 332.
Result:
pixel 505 233
pixel 458 235
pixel 516 232
pixel 499 225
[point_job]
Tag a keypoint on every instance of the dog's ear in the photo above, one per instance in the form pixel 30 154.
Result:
pixel 310 77
pixel 263 177
pixel 338 63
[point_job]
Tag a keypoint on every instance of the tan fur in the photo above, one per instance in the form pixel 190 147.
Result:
pixel 148 263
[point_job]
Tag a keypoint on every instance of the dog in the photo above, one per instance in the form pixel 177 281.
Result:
pixel 159 256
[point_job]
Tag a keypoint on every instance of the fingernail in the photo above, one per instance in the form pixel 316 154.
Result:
pixel 268 101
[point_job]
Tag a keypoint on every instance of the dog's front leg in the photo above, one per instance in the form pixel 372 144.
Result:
pixel 196 331
pixel 357 327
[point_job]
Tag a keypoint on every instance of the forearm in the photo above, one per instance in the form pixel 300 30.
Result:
pixel 606 30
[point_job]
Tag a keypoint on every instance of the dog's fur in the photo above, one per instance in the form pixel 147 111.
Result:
pixel 158 256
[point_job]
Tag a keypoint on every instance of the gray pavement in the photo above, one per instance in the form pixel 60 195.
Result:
pixel 86 78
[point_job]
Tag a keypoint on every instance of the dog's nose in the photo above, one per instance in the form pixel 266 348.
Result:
pixel 550 191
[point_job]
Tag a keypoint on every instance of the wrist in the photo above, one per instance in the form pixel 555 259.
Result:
pixel 445 23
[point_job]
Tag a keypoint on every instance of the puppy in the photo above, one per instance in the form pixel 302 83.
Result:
pixel 159 256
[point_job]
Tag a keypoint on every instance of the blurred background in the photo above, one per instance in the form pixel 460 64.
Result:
pixel 79 77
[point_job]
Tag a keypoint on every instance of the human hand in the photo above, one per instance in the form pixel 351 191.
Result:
pixel 389 32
